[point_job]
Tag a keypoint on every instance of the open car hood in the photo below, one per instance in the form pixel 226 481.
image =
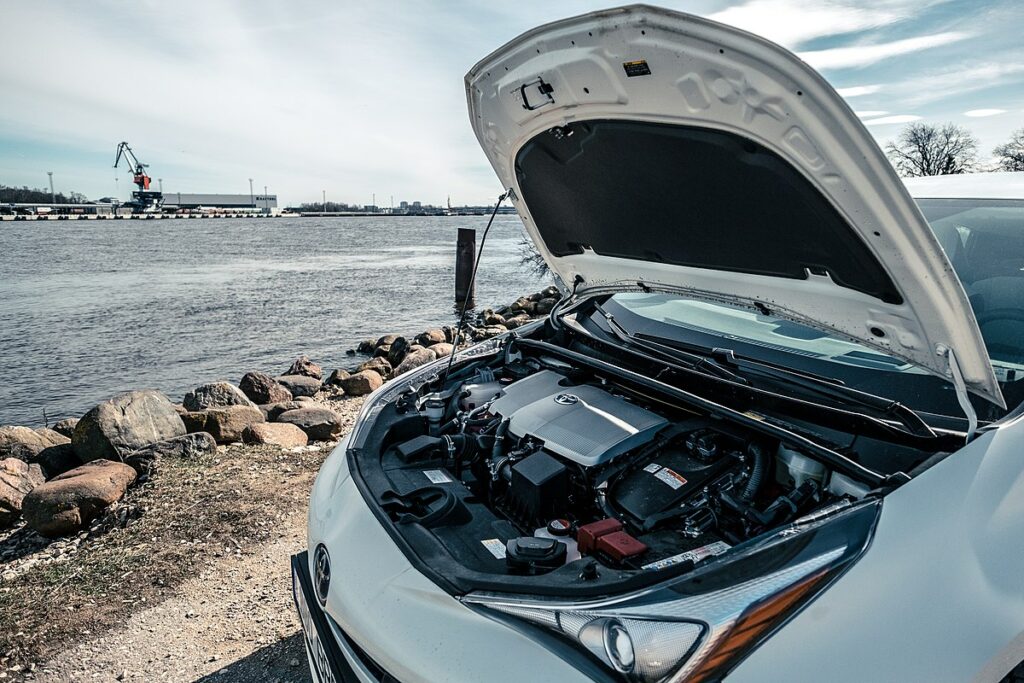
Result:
pixel 647 146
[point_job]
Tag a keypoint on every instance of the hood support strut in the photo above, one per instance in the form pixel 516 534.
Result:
pixel 960 386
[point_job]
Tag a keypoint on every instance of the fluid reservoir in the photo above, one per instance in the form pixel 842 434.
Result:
pixel 560 530
pixel 842 485
pixel 794 468
pixel 476 394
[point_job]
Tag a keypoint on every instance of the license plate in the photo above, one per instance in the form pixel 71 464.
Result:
pixel 317 654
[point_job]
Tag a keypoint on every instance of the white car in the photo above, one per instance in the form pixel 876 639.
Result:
pixel 772 431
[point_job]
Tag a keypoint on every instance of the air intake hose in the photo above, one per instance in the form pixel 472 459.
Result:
pixel 758 471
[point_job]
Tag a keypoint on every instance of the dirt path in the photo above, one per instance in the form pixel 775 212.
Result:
pixel 234 622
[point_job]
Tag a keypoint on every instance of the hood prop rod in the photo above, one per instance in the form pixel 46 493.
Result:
pixel 962 397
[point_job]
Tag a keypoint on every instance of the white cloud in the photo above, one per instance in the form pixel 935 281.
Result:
pixel 980 113
pixel 862 55
pixel 960 79
pixel 858 90
pixel 890 120
pixel 867 114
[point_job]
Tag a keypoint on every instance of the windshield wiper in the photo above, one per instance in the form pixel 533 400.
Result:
pixel 820 385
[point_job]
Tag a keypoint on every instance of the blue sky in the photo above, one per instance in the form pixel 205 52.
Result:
pixel 366 98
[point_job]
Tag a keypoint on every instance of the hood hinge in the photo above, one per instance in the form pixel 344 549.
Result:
pixel 962 397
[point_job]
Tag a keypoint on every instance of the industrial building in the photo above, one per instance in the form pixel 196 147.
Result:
pixel 183 200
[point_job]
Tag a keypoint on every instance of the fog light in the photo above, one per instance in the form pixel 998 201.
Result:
pixel 619 646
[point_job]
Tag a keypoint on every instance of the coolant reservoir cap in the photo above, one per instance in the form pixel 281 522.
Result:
pixel 559 527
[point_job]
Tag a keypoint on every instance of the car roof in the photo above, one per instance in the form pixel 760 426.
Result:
pixel 997 185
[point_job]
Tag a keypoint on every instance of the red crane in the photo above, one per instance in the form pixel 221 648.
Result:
pixel 137 168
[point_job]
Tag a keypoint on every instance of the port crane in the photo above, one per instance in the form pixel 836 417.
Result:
pixel 143 199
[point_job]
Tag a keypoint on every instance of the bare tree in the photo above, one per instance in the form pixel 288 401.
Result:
pixel 929 149
pixel 530 259
pixel 1011 154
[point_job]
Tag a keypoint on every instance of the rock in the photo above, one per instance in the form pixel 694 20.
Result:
pixel 362 383
pixel 430 337
pixel 492 318
pixel 285 435
pixel 337 376
pixel 366 346
pixel 397 352
pixel 482 333
pixel 305 401
pixel 415 359
pixel 147 460
pixel 304 366
pixel 262 388
pixel 378 365
pixel 300 385
pixel 73 499
pixel 17 478
pixel 386 340
pixel 441 350
pixel 22 442
pixel 224 424
pixel 57 460
pixel 382 351
pixel 126 423
pixel 215 395
pixel 550 292
pixel 517 321
pixel 544 306
pixel 180 409
pixel 536 296
pixel 319 424
pixel 66 426
pixel 272 410
pixel 520 304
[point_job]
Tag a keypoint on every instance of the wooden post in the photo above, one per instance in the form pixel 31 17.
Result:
pixel 465 259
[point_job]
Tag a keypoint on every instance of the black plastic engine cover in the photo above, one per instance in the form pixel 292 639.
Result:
pixel 665 482
pixel 539 489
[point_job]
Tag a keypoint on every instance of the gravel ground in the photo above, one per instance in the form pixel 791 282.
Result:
pixel 202 598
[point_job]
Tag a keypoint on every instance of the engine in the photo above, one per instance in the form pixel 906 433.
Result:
pixel 562 467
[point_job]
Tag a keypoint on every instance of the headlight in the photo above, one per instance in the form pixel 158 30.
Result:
pixel 700 626
pixel 412 380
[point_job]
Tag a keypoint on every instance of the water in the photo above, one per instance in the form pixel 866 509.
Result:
pixel 92 308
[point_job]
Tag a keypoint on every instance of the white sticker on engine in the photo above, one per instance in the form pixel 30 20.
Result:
pixel 696 555
pixel 652 468
pixel 437 476
pixel 496 547
pixel 673 479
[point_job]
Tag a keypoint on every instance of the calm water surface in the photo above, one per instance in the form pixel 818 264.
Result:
pixel 91 308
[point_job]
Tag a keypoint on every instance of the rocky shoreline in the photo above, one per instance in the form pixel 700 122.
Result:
pixel 57 480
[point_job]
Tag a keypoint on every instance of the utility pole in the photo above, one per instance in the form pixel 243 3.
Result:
pixel 53 199
pixel 161 181
pixel 266 202
pixel 374 205
pixel 325 200
pixel 252 197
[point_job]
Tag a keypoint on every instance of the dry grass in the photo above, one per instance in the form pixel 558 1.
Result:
pixel 163 532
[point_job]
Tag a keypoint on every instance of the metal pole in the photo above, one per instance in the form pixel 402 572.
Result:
pixel 374 205
pixel 465 257
pixel 252 197
pixel 325 200
pixel 53 199
pixel 266 202
pixel 161 181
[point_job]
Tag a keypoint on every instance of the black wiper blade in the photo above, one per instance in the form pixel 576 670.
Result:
pixel 830 388
pixel 691 360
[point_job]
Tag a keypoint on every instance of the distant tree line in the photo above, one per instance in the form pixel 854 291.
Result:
pixel 924 149
pixel 24 195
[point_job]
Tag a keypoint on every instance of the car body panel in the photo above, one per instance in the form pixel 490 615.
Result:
pixel 937 596
pixel 708 76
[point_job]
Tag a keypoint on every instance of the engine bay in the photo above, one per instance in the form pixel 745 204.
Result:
pixel 538 469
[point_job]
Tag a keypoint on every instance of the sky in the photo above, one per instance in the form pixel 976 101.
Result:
pixel 365 100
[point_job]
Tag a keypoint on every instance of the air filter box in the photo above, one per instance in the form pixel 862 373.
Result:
pixel 539 489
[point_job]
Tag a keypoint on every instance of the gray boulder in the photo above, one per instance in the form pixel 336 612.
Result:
pixel 272 410
pixel 262 388
pixel 379 365
pixel 66 427
pixel 443 349
pixel 366 346
pixel 362 383
pixel 71 500
pixel 431 337
pixel 304 366
pixel 319 424
pixel 300 385
pixel 57 460
pixel 17 479
pixel 280 434
pixel 386 340
pixel 397 351
pixel 215 395
pixel 414 359
pixel 224 424
pixel 544 306
pixel 126 423
pixel 147 460
pixel 337 376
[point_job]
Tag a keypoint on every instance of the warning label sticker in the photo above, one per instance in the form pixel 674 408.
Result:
pixel 437 476
pixel 495 547
pixel 695 555
pixel 673 479
pixel 653 467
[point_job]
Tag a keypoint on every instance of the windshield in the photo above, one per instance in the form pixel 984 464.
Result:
pixel 984 240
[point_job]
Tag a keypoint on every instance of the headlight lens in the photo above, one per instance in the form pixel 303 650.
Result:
pixel 680 631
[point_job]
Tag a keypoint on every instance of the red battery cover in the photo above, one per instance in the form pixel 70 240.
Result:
pixel 587 535
pixel 620 546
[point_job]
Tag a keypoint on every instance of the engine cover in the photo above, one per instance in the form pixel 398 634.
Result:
pixel 584 424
